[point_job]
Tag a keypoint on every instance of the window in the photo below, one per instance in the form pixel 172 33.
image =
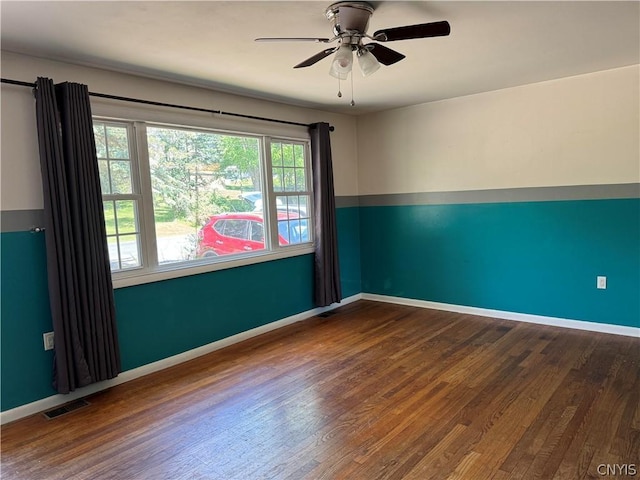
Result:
pixel 120 194
pixel 290 182
pixel 178 197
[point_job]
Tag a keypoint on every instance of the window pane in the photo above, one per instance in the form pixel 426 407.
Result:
pixel 301 181
pixel 283 232
pixel 290 179
pixel 278 179
pixel 101 140
pixel 303 205
pixel 126 216
pixel 292 207
pixel 196 177
pixel 114 253
pixel 276 154
pixel 120 176
pixel 287 155
pixel 117 142
pixel 298 152
pixel 109 217
pixel 300 230
pixel 105 184
pixel 129 251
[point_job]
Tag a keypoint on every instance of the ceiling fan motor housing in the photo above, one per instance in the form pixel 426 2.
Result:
pixel 349 20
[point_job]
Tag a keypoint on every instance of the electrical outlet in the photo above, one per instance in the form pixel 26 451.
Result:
pixel 601 283
pixel 48 340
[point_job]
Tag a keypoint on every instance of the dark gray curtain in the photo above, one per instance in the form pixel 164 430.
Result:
pixel 80 289
pixel 327 288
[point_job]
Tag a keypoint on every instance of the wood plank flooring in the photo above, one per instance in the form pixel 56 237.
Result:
pixel 375 391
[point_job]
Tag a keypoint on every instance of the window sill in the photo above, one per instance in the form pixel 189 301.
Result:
pixel 168 272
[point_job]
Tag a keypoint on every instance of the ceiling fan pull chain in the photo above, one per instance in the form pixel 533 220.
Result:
pixel 353 104
pixel 339 92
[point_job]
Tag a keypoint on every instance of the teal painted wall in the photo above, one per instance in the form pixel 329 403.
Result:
pixel 537 258
pixel 155 320
pixel 25 368
pixel 161 319
pixel 348 224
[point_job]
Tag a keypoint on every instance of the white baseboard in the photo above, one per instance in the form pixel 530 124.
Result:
pixel 519 317
pixel 60 399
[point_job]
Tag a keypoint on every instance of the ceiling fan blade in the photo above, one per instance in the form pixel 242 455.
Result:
pixel 383 54
pixel 423 30
pixel 293 39
pixel 316 58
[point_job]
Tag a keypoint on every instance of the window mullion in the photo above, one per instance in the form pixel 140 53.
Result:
pixel 311 207
pixel 270 213
pixel 147 221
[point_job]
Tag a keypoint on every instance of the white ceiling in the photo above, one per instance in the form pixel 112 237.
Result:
pixel 492 45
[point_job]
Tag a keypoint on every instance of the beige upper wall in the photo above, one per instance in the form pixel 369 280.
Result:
pixel 582 130
pixel 21 187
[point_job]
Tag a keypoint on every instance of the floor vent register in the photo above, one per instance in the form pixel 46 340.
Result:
pixel 64 409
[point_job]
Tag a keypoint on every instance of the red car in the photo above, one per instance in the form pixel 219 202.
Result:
pixel 230 233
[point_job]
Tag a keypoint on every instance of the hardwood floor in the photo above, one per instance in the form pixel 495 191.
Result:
pixel 375 391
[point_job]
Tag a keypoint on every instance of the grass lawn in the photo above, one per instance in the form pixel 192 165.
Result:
pixel 166 225
pixel 176 227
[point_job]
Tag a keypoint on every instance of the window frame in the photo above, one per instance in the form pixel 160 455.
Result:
pixel 136 190
pixel 273 230
pixel 151 270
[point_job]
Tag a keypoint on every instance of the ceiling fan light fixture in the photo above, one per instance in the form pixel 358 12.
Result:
pixel 368 63
pixel 342 62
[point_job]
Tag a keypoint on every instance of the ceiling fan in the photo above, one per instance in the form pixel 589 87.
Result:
pixel 350 21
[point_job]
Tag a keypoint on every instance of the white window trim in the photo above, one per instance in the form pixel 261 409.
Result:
pixel 133 277
pixel 148 273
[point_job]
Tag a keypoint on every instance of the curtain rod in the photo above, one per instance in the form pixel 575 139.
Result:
pixel 172 105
